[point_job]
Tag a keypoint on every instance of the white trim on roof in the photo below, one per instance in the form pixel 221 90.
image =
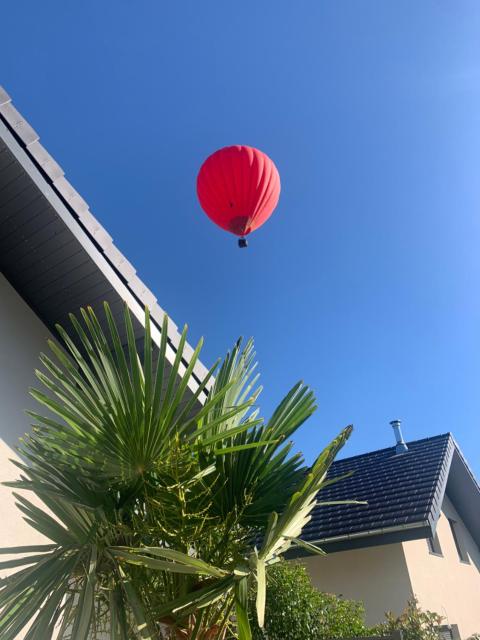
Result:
pixel 92 236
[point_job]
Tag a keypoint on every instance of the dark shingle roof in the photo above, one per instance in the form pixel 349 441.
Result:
pixel 404 493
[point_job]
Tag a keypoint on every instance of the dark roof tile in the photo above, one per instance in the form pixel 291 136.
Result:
pixel 401 490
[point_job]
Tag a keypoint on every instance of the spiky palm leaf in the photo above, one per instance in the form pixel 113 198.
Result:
pixel 152 499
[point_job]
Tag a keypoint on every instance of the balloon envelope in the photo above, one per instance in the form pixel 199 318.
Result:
pixel 238 188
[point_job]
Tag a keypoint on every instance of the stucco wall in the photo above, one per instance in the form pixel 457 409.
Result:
pixel 445 584
pixel 384 577
pixel 377 576
pixel 22 337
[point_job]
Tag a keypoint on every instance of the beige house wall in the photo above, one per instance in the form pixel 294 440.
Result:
pixel 443 583
pixel 385 577
pixel 22 337
pixel 378 576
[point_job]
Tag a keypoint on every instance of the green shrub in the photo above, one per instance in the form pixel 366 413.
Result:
pixel 296 610
pixel 415 623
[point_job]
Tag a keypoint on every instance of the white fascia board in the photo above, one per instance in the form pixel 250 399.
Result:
pixel 134 293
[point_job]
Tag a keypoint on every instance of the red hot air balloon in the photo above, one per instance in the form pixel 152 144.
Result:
pixel 238 188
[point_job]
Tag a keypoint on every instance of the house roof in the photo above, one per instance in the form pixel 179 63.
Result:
pixel 53 250
pixel 404 493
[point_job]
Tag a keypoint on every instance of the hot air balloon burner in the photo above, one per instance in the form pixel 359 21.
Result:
pixel 242 243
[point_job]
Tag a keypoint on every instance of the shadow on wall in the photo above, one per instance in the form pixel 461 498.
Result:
pixel 23 337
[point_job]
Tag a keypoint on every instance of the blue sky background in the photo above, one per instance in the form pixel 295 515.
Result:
pixel 365 282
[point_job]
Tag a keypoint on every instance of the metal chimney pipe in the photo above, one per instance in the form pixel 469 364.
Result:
pixel 401 446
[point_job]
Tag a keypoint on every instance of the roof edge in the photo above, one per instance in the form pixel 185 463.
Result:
pixel 364 539
pixel 75 212
pixel 409 442
pixel 372 532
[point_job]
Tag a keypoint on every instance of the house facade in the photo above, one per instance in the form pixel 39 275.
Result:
pixel 418 535
pixel 420 531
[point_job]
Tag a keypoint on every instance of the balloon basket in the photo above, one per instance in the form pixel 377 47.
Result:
pixel 242 243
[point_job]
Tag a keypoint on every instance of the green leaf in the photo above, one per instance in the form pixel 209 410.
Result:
pixel 180 562
pixel 308 546
pixel 241 609
pixel 85 607
pixel 118 620
pixel 201 597
pixel 18 562
pixel 261 592
pixel 66 620
pixel 297 513
pixel 243 447
pixel 142 626
pixel 36 548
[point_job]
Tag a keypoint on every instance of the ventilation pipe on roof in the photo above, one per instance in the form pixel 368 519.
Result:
pixel 401 446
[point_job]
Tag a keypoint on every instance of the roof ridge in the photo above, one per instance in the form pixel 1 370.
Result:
pixel 447 434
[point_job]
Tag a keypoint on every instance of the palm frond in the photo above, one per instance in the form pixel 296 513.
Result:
pixel 151 500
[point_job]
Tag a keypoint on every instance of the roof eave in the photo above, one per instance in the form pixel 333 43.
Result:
pixel 364 539
pixel 48 176
pixel 463 490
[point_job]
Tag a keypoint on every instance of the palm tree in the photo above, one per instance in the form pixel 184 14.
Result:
pixel 160 512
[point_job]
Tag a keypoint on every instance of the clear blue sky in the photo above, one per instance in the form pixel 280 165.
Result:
pixel 365 282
